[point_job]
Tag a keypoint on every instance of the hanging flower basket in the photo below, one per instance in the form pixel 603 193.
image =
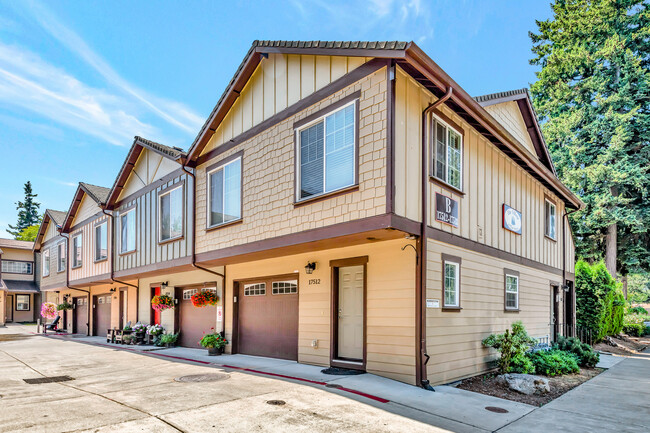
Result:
pixel 162 302
pixel 48 310
pixel 204 298
pixel 64 306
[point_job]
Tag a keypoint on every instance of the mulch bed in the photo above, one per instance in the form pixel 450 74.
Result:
pixel 624 345
pixel 487 384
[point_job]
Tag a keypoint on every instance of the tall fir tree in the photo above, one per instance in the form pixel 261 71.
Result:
pixel 27 212
pixel 593 97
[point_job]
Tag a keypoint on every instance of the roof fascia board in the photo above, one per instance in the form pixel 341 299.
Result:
pixel 502 99
pixel 427 67
pixel 74 206
pixel 347 52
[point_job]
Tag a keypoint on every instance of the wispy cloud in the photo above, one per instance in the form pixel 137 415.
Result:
pixel 62 182
pixel 35 85
pixel 175 113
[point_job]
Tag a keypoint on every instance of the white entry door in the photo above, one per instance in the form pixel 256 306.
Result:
pixel 350 338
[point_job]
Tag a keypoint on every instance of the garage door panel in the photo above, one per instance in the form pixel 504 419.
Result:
pixel 268 319
pixel 102 314
pixel 194 321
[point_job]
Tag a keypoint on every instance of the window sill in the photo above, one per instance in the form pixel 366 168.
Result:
pixel 511 310
pixel 226 224
pixel 326 196
pixel 100 260
pixel 550 238
pixel 75 267
pixel 126 253
pixel 63 270
pixel 167 241
pixel 445 185
pixel 452 309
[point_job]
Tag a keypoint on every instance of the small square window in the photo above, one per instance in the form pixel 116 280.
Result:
pixel 22 302
pixel 258 289
pixel 284 287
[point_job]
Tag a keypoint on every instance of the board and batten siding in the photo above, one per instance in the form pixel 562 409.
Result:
pixel 454 338
pixel 89 267
pixel 490 179
pixel 149 167
pixel 278 82
pixel 148 250
pixel 509 116
pixel 55 278
pixel 268 167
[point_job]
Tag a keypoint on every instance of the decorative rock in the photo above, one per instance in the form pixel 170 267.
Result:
pixel 525 383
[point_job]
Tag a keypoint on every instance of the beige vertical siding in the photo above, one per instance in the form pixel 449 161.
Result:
pixel 278 82
pixel 89 267
pixel 87 208
pixel 55 278
pixel 508 115
pixel 454 338
pixel 149 167
pixel 269 171
pixel 490 179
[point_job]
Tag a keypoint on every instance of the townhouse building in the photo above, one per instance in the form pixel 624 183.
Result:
pixel 19 294
pixel 350 204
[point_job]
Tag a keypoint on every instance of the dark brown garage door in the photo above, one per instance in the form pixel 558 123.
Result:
pixel 268 318
pixel 80 315
pixel 194 321
pixel 101 314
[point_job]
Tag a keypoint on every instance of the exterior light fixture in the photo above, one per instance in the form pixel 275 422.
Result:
pixel 566 287
pixel 113 289
pixel 309 269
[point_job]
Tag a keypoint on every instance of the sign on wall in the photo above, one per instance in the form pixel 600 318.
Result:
pixel 512 219
pixel 446 210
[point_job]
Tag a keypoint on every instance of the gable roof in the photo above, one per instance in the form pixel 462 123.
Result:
pixel 173 153
pixel 98 194
pixel 417 64
pixel 54 216
pixel 525 104
pixel 14 243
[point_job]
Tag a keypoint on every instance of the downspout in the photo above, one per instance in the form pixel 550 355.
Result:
pixel 420 299
pixel 565 221
pixel 194 265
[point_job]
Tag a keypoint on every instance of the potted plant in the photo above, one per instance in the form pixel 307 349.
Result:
pixel 139 330
pixel 64 306
pixel 154 332
pixel 214 342
pixel 169 340
pixel 162 302
pixel 204 298
pixel 128 339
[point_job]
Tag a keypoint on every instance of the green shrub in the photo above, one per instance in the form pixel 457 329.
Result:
pixel 554 362
pixel 634 329
pixel 637 310
pixel 512 345
pixel 587 357
pixel 522 364
pixel 169 338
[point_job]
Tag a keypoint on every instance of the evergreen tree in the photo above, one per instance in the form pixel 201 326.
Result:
pixel 27 212
pixel 593 97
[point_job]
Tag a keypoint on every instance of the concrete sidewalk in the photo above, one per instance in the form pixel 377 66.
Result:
pixel 453 409
pixel 617 400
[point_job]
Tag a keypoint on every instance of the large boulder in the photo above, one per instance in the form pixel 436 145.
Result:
pixel 525 383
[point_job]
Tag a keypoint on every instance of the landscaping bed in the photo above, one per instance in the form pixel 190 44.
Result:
pixel 488 384
pixel 623 345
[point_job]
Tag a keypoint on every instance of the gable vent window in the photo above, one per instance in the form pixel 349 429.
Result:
pixel 447 154
pixel 327 152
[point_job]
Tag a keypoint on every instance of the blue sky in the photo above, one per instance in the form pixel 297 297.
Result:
pixel 79 79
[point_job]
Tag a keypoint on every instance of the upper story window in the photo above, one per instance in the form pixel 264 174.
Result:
pixel 327 153
pixel 127 231
pixel 170 214
pixel 447 154
pixel 17 267
pixel 512 291
pixel 77 246
pixel 224 192
pixel 46 262
pixel 60 257
pixel 101 242
pixel 550 224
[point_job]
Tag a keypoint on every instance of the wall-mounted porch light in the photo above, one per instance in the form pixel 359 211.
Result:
pixel 311 266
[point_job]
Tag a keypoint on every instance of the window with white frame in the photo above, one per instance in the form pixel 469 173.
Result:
pixel 327 153
pixel 17 267
pixel 550 219
pixel 512 292
pixel 77 250
pixel 101 241
pixel 258 289
pixel 451 284
pixel 284 287
pixel 60 257
pixel 447 154
pixel 127 231
pixel 224 191
pixel 22 302
pixel 187 294
pixel 46 263
pixel 170 213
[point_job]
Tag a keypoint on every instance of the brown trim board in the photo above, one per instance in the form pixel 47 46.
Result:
pixel 144 190
pixel 167 267
pixel 93 280
pixel 468 244
pixel 390 136
pixel 335 86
